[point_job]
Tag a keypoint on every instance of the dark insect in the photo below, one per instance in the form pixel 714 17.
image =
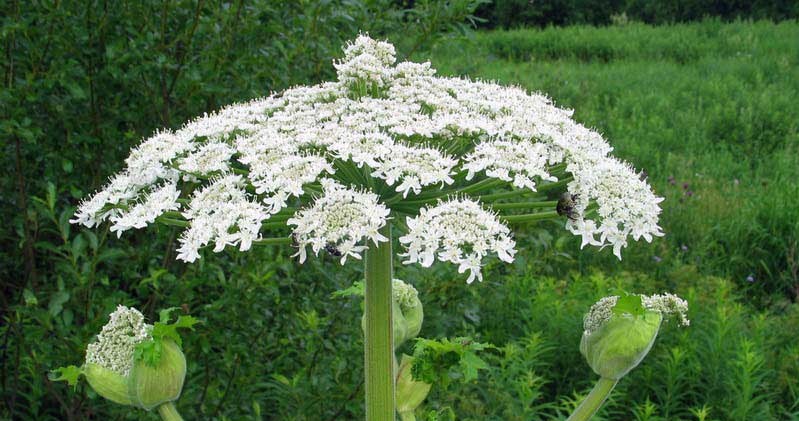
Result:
pixel 294 242
pixel 565 206
pixel 643 175
pixel 330 248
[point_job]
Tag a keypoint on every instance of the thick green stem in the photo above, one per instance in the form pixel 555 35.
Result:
pixel 594 400
pixel 168 412
pixel 378 331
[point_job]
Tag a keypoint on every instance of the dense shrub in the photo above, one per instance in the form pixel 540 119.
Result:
pixel 85 81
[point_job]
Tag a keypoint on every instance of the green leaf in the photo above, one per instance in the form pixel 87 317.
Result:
pixel 356 290
pixel 149 351
pixel 29 297
pixel 163 330
pixel 629 304
pixel 440 361
pixel 57 301
pixel 470 363
pixel 69 374
pixel 163 315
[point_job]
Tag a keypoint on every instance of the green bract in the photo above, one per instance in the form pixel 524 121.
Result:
pixel 151 386
pixel 410 393
pixel 621 343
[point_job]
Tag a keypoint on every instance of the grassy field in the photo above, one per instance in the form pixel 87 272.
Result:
pixel 709 110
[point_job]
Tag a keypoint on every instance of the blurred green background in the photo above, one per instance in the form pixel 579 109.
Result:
pixel 701 95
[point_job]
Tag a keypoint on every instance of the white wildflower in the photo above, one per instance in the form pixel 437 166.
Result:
pixel 459 231
pixel 626 205
pixel 279 175
pixel 209 158
pixel 415 168
pixel 342 219
pixel 366 60
pixel 599 313
pixel 117 341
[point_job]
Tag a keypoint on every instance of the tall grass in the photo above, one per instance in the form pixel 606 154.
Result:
pixel 708 110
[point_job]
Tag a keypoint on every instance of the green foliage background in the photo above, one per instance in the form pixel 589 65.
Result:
pixel 708 109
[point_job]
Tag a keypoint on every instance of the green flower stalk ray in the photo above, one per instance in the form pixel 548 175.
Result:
pixel 450 165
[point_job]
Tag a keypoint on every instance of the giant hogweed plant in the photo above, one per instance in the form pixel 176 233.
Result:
pixel 450 166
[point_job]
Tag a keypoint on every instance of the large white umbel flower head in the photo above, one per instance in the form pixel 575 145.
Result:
pixel 455 163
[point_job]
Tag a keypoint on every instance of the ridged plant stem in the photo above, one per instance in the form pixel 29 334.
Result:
pixel 168 412
pixel 378 339
pixel 594 400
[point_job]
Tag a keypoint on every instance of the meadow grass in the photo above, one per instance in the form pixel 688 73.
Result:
pixel 709 110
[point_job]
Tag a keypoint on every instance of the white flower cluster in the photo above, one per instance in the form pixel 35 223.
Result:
pixel 404 294
pixel 223 213
pixel 154 203
pixel 459 231
pixel 338 221
pixel 599 313
pixel 626 205
pixel 517 162
pixel 117 342
pixel 411 130
pixel 366 60
pixel 666 304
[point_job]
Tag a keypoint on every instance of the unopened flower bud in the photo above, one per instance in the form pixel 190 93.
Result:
pixel 410 393
pixel 620 331
pixel 411 314
pixel 153 385
pixel 115 373
pixel 407 313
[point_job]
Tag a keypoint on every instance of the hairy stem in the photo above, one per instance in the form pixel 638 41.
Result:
pixel 378 340
pixel 594 400
pixel 168 412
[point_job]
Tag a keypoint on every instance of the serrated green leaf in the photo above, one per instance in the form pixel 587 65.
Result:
pixel 163 330
pixel 470 363
pixel 356 290
pixel 164 314
pixel 149 352
pixel 69 374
